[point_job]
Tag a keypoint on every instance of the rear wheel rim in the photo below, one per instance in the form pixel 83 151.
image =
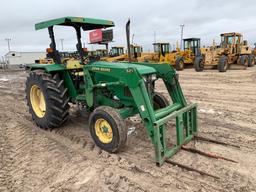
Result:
pixel 37 101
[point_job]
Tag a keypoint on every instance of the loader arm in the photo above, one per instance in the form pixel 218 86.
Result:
pixel 118 77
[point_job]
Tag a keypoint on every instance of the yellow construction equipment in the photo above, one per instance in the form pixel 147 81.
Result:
pixel 177 57
pixel 102 53
pixel 232 50
pixel 254 50
pixel 117 54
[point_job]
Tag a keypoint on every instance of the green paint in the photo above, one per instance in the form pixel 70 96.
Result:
pixel 122 85
pixel 86 23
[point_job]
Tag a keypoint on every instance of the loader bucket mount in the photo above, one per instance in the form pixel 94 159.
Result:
pixel 140 100
pixel 156 120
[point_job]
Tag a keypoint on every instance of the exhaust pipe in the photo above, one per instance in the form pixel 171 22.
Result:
pixel 128 39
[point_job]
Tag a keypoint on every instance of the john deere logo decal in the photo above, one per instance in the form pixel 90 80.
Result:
pixel 101 69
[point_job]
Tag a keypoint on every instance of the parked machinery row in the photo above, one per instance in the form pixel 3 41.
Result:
pixel 233 50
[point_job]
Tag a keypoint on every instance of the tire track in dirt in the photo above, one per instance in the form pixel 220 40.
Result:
pixel 6 157
pixel 67 159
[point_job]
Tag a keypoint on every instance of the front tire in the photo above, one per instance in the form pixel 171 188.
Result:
pixel 47 99
pixel 223 64
pixel 159 101
pixel 199 64
pixel 108 129
pixel 179 63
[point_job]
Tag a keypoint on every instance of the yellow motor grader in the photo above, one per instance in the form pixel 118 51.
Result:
pixel 254 50
pixel 232 50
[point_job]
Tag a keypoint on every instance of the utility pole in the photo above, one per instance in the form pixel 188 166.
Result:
pixel 132 38
pixel 181 35
pixel 154 36
pixel 8 42
pixel 61 41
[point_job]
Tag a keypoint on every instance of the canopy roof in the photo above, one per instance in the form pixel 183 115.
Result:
pixel 163 43
pixel 231 34
pixel 191 39
pixel 85 23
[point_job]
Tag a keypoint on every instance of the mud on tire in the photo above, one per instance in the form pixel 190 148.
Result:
pixel 55 96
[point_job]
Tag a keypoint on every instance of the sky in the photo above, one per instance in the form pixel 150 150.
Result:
pixel 202 18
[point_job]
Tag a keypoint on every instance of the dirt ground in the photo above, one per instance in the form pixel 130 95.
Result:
pixel 66 159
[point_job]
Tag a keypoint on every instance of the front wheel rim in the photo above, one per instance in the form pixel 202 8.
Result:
pixel 103 131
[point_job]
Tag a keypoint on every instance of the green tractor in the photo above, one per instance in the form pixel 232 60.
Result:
pixel 111 92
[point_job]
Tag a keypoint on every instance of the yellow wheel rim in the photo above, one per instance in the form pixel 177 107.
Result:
pixel 37 101
pixel 103 130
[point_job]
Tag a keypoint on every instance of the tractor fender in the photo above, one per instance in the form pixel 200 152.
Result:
pixel 57 68
pixel 46 67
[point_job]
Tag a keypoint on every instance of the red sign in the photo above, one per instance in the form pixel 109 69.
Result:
pixel 95 36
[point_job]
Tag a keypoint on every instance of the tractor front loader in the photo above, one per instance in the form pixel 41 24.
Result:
pixel 111 92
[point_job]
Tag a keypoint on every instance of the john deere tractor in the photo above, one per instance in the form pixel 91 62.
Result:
pixel 232 50
pixel 111 92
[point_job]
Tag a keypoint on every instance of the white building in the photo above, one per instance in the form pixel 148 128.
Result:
pixel 21 58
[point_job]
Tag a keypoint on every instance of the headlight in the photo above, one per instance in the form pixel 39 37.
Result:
pixel 144 78
pixel 153 77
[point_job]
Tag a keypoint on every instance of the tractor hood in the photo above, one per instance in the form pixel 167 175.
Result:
pixel 142 69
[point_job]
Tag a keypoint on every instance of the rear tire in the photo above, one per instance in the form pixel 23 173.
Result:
pixel 179 63
pixel 55 99
pixel 244 60
pixel 251 61
pixel 198 64
pixel 108 129
pixel 159 101
pixel 223 64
